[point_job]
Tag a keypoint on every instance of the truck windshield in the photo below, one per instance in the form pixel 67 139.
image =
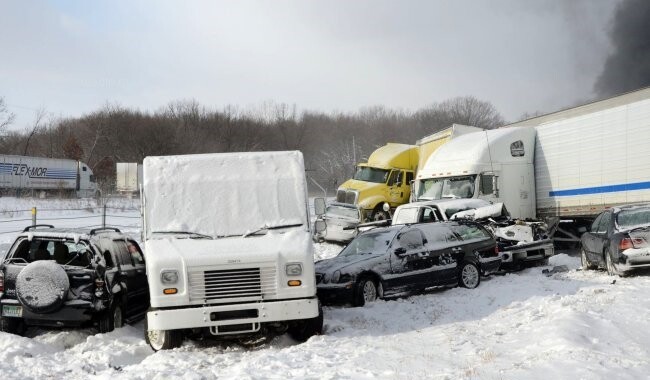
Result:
pixel 452 187
pixel 368 174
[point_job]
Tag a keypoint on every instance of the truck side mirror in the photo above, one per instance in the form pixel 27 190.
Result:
pixel 319 206
pixel 320 226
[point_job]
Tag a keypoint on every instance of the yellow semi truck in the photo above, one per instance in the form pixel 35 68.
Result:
pixel 387 176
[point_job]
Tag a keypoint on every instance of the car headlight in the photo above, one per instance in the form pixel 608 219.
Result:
pixel 336 276
pixel 293 269
pixel 168 277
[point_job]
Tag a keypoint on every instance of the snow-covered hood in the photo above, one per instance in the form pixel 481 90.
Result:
pixel 360 186
pixel 345 263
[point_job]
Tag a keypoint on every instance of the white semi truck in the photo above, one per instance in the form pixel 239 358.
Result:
pixel 564 167
pixel 40 175
pixel 228 247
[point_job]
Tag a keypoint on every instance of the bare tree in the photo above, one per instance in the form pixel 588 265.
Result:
pixel 6 117
pixel 36 127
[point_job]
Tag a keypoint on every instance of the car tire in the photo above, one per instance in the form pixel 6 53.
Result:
pixel 111 319
pixel 469 276
pixel 12 325
pixel 609 265
pixel 366 291
pixel 586 265
pixel 304 329
pixel 162 339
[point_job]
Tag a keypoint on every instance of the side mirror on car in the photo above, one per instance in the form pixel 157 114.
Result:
pixel 319 206
pixel 400 251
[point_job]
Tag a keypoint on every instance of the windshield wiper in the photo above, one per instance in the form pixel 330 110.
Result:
pixel 191 235
pixel 640 228
pixel 265 227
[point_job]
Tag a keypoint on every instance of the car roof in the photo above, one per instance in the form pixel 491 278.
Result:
pixel 71 233
pixel 446 203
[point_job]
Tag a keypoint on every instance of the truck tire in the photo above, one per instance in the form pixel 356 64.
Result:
pixel 111 319
pixel 162 339
pixel 42 286
pixel 304 329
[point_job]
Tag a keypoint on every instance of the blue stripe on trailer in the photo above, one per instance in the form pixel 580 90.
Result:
pixel 601 189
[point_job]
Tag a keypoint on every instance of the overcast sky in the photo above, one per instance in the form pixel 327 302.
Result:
pixel 72 57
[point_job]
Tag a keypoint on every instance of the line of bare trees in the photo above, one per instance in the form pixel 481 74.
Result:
pixel 330 142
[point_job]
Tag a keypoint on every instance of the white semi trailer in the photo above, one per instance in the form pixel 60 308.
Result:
pixel 566 166
pixel 33 175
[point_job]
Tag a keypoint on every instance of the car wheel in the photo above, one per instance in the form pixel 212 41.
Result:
pixel 469 276
pixel 162 339
pixel 12 325
pixel 111 319
pixel 611 268
pixel 586 265
pixel 306 328
pixel 365 292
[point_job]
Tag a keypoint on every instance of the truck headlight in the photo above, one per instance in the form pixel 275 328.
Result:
pixel 336 276
pixel 168 277
pixel 293 269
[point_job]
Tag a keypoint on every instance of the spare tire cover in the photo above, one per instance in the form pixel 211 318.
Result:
pixel 42 286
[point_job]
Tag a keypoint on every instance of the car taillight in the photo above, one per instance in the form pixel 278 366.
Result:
pixel 2 282
pixel 636 242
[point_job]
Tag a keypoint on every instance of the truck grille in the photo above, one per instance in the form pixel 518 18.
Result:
pixel 346 196
pixel 227 284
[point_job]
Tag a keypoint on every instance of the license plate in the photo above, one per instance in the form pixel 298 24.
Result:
pixel 12 311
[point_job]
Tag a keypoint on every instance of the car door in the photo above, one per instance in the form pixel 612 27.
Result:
pixel 601 236
pixel 408 259
pixel 139 287
pixel 442 253
pixel 128 277
pixel 589 237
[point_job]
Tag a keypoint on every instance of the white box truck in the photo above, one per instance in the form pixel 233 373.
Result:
pixel 30 175
pixel 568 165
pixel 228 247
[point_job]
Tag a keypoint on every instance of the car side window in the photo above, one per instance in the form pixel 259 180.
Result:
pixel 411 240
pixel 122 252
pixel 428 215
pixel 594 225
pixel 604 223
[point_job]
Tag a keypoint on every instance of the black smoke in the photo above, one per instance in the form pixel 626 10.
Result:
pixel 628 66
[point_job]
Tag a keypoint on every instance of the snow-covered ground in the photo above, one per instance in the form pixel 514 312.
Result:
pixel 524 325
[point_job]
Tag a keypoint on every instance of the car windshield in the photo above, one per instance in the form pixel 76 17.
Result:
pixel 368 174
pixel 452 187
pixel 370 242
pixel 627 219
pixel 342 212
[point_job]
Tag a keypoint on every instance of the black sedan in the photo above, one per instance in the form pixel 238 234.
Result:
pixel 618 240
pixel 389 261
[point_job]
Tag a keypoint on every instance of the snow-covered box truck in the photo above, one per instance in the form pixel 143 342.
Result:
pixel 228 247
pixel 40 175
pixel 566 166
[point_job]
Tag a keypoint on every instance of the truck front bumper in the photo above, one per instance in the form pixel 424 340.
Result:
pixel 222 315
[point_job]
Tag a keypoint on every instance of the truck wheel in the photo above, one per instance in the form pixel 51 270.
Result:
pixel 306 328
pixel 469 276
pixel 111 319
pixel 12 325
pixel 162 339
pixel 365 292
pixel 379 214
